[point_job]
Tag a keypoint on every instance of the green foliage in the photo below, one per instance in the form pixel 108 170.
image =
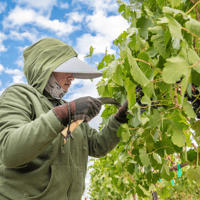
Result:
pixel 159 53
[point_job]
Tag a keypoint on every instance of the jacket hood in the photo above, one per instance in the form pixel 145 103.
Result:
pixel 42 58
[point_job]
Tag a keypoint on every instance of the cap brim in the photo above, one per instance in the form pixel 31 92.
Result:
pixel 79 69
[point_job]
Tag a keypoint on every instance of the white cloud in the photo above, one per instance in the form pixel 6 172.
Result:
pixel 104 29
pixel 17 77
pixel 2 38
pixel 100 5
pixel 38 4
pixel 0 83
pixel 16 19
pixel 99 42
pixel 110 27
pixel 64 5
pixel 75 17
pixel 20 62
pixel 14 35
pixel 1 68
pixel 2 6
pixel 22 48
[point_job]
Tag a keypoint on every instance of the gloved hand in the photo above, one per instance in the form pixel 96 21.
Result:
pixel 122 113
pixel 84 108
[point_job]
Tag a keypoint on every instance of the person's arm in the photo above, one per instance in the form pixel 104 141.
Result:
pixel 102 142
pixel 21 139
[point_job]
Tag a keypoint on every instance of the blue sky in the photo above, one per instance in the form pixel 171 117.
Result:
pixel 80 23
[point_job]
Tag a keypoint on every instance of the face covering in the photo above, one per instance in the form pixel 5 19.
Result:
pixel 54 89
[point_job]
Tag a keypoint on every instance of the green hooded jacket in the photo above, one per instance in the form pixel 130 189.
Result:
pixel 34 161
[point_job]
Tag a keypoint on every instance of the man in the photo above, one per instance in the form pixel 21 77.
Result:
pixel 34 161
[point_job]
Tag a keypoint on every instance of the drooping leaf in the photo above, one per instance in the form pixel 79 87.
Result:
pixel 175 12
pixel 175 67
pixel 184 84
pixel 188 109
pixel 157 158
pixel 166 173
pixel 178 137
pixel 175 28
pixel 125 133
pixel 196 128
pixel 159 41
pixel 155 119
pixel 118 75
pixel 136 72
pixel 144 157
pixel 193 26
pixel 144 24
pixel 130 88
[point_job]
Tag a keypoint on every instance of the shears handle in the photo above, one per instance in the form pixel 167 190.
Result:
pixel 72 127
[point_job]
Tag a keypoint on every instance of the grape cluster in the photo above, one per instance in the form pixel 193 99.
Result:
pixel 194 100
pixel 139 95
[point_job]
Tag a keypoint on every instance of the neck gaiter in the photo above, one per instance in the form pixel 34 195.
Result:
pixel 54 89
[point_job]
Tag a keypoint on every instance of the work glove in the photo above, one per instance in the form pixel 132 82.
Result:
pixel 84 108
pixel 121 114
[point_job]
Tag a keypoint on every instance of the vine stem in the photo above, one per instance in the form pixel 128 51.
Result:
pixel 158 149
pixel 195 64
pixel 190 32
pixel 147 64
pixel 168 110
pixel 192 7
pixel 171 116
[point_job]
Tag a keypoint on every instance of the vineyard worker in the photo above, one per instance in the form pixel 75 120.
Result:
pixel 35 164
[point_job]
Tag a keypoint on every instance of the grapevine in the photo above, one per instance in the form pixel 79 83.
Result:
pixel 157 69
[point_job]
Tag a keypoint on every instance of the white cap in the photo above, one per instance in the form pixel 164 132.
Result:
pixel 79 69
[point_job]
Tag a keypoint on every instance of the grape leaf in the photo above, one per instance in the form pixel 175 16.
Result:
pixel 118 75
pixel 125 133
pixel 193 26
pixel 136 72
pixel 175 12
pixel 175 28
pixel 144 190
pixel 157 158
pixel 144 24
pixel 178 137
pixel 175 67
pixel 159 42
pixel 175 3
pixel 196 127
pixel 155 119
pixel 194 59
pixel 91 50
pixel 188 109
pixel 166 173
pixel 161 3
pixel 130 88
pixel 194 174
pixel 144 157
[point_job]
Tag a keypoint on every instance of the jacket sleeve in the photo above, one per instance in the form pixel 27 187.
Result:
pixel 102 142
pixel 21 138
